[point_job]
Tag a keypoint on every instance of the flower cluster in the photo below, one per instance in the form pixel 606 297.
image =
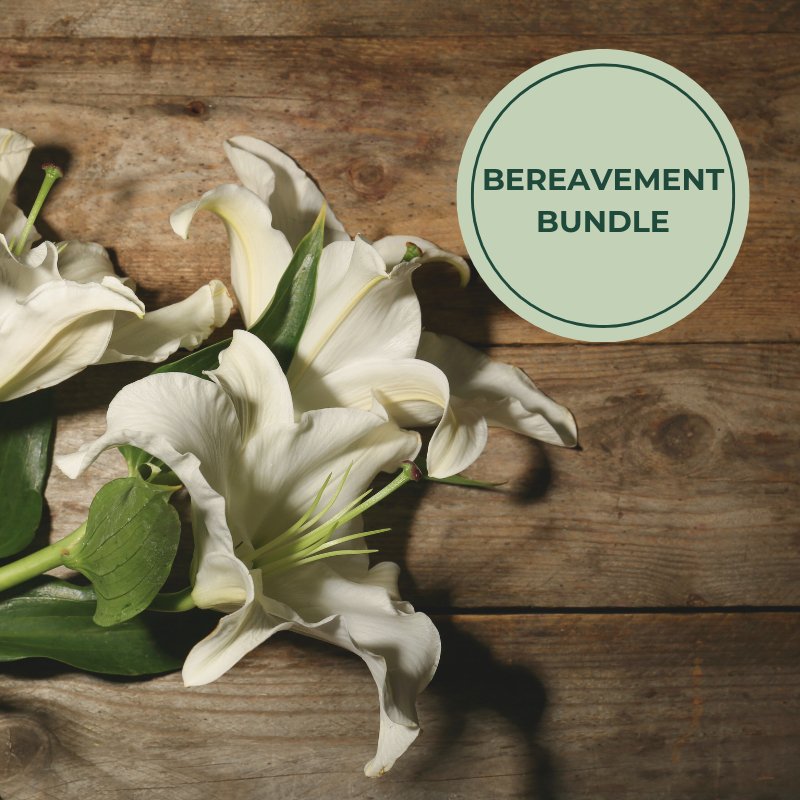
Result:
pixel 277 456
pixel 62 307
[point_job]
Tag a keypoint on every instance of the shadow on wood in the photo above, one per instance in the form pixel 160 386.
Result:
pixel 399 512
pixel 471 679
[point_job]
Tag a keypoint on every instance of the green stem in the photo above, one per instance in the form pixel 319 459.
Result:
pixel 173 601
pixel 41 561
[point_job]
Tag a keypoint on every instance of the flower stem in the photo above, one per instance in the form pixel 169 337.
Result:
pixel 41 561
pixel 173 601
pixel 51 174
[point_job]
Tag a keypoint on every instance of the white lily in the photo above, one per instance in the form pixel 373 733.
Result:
pixel 273 500
pixel 63 308
pixel 363 340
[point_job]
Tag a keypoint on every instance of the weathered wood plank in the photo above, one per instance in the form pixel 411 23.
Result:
pixel 189 18
pixel 697 706
pixel 142 123
pixel 686 491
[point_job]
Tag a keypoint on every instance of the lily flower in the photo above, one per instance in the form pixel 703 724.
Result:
pixel 62 307
pixel 363 341
pixel 276 504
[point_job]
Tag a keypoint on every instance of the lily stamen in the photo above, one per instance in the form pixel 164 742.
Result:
pixel 51 174
pixel 303 543
pixel 305 521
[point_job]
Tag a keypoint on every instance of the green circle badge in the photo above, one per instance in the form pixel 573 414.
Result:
pixel 603 195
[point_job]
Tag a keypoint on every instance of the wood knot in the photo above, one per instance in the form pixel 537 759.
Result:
pixel 369 179
pixel 683 436
pixel 24 744
pixel 196 108
pixel 696 601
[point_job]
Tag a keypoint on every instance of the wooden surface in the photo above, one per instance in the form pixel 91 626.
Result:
pixel 142 121
pixel 619 622
pixel 625 706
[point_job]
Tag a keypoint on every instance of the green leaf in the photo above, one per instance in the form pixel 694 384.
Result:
pixel 463 480
pixel 457 480
pixel 134 458
pixel 149 468
pixel 281 325
pixel 54 620
pixel 198 362
pixel 26 427
pixel 127 552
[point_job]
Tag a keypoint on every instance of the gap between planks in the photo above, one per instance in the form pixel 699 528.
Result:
pixel 366 37
pixel 536 611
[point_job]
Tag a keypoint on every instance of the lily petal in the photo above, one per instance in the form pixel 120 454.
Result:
pixel 19 276
pixel 414 393
pixel 191 425
pixel 252 377
pixel 86 262
pixel 14 151
pixel 57 331
pixel 359 313
pixel 180 413
pixel 392 250
pixel 401 648
pixel 235 635
pixel 259 253
pixel 293 198
pixel 12 223
pixel 457 441
pixel 160 333
pixel 286 462
pixel 286 466
pixel 505 395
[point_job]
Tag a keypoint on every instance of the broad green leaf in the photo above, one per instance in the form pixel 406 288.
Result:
pixel 281 325
pixel 457 480
pixel 54 620
pixel 26 427
pixel 127 552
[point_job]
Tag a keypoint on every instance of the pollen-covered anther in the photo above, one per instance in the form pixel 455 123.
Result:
pixel 53 169
pixel 413 471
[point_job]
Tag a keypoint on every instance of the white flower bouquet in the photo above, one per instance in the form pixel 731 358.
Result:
pixel 275 435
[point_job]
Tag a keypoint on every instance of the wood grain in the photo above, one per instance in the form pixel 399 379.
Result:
pixel 685 492
pixel 601 707
pixel 141 124
pixel 204 18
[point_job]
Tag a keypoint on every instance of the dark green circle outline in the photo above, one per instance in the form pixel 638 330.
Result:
pixel 589 324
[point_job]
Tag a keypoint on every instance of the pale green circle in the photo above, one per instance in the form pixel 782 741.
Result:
pixel 603 109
